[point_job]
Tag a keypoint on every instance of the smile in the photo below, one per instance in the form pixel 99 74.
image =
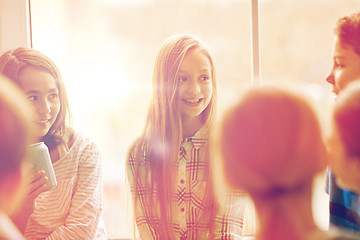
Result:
pixel 43 121
pixel 192 100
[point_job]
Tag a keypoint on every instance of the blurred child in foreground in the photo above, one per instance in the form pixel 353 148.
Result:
pixel 14 138
pixel 272 147
pixel 344 143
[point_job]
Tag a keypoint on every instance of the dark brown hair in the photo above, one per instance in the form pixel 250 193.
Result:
pixel 348 30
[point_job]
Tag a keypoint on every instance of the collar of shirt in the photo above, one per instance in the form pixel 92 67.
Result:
pixel 198 140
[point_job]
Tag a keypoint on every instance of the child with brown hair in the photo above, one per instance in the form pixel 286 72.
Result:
pixel 344 204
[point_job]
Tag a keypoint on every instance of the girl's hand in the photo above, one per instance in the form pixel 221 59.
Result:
pixel 34 184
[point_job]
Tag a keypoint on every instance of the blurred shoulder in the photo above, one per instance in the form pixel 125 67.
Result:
pixel 334 234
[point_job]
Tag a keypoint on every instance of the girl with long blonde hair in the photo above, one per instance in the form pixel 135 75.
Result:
pixel 168 166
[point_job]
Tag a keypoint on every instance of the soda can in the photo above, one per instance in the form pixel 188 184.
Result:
pixel 39 156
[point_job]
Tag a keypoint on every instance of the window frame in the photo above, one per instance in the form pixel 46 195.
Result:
pixel 18 33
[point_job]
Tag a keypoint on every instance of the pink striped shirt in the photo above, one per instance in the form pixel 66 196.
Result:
pixel 72 210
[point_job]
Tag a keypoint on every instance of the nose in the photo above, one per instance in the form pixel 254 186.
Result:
pixel 44 107
pixel 194 87
pixel 330 78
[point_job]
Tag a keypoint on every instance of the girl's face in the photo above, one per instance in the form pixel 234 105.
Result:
pixel 195 84
pixel 346 66
pixel 41 89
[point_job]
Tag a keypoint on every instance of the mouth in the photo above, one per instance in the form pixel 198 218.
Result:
pixel 192 100
pixel 43 121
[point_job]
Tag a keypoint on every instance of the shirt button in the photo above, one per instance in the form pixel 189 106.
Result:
pixel 182 209
pixel 182 181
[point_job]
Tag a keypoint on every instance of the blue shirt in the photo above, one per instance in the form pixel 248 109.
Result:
pixel 344 206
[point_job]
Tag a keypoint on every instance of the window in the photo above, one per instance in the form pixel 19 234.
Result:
pixel 295 46
pixel 106 49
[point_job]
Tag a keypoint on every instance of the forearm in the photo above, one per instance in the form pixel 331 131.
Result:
pixel 80 229
pixel 20 218
pixel 35 184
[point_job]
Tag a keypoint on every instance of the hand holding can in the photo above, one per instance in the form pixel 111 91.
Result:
pixel 39 156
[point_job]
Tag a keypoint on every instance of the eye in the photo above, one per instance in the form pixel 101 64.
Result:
pixel 204 78
pixel 337 64
pixel 53 96
pixel 32 98
pixel 182 79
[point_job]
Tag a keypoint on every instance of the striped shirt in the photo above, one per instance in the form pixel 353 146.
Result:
pixel 189 220
pixel 72 210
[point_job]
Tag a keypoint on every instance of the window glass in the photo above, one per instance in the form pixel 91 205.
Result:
pixel 296 38
pixel 106 49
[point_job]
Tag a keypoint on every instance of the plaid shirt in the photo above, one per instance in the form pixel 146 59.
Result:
pixel 190 221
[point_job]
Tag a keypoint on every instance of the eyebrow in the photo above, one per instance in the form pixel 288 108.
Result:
pixel 52 90
pixel 202 70
pixel 339 57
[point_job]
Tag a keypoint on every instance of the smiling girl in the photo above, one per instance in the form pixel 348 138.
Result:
pixel 168 166
pixel 72 210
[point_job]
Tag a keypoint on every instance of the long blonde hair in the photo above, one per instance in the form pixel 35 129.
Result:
pixel 162 134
